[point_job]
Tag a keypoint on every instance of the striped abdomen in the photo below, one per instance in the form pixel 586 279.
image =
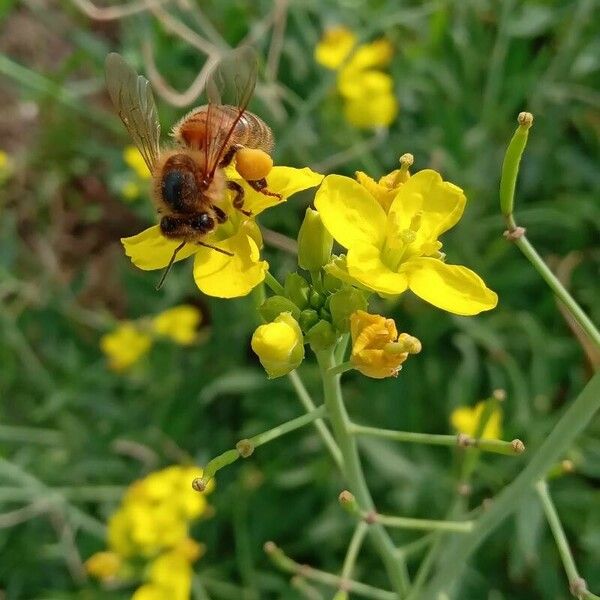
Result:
pixel 250 131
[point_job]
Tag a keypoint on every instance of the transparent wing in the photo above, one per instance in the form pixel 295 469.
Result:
pixel 231 83
pixel 132 97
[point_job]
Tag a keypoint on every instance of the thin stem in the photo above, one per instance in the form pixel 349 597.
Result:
pixel 285 563
pixel 557 287
pixel 577 585
pixel 341 368
pixel 309 405
pixel 424 524
pixel 275 432
pixel 353 473
pixel 570 425
pixel 416 546
pixel 273 284
pixel 353 549
pixel 497 446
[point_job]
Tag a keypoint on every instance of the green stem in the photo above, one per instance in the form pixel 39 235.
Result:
pixel 301 421
pixel 309 405
pixel 353 549
pixel 577 585
pixel 285 563
pixel 416 546
pixel 353 473
pixel 496 446
pixel 273 284
pixel 557 287
pixel 424 524
pixel 341 368
pixel 570 425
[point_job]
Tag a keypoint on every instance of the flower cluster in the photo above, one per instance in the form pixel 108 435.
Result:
pixel 131 340
pixel 368 94
pixel 151 528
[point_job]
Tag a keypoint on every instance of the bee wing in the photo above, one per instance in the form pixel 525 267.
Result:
pixel 230 83
pixel 132 97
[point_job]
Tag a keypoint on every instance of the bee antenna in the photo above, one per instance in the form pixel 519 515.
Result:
pixel 166 271
pixel 225 252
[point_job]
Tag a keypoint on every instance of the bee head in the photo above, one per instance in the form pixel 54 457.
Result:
pixel 179 188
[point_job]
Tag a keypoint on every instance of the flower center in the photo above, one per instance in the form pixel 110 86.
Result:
pixel 398 247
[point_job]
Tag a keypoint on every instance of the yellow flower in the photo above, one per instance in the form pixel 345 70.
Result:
pixel 130 190
pixel 125 346
pixel 391 252
pixel 103 565
pixel 152 591
pixel 217 274
pixel 172 571
pixel 365 112
pixel 279 345
pixel 377 349
pixel 135 161
pixel 179 323
pixel 465 419
pixel 334 47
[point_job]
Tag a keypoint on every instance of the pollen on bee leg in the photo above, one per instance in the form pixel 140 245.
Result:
pixel 253 164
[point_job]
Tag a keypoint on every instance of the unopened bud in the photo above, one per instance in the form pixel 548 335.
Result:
pixel 314 242
pixel 315 299
pixel 272 307
pixel 321 336
pixel 343 303
pixel 308 318
pixel 297 289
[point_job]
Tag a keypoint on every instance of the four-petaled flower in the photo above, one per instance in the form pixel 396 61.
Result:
pixel 390 252
pixel 218 274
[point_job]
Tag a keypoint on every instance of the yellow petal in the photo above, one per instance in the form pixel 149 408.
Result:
pixel 225 276
pixel 450 287
pixel 439 203
pixel 376 54
pixel 281 180
pixel 371 111
pixel 367 85
pixel 150 250
pixel 334 47
pixel 365 266
pixel 350 213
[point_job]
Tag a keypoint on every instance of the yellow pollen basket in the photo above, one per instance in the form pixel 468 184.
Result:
pixel 253 164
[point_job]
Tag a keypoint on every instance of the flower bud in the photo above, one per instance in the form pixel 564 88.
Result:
pixel 321 336
pixel 297 289
pixel 279 345
pixel 377 350
pixel 253 164
pixel 314 242
pixel 315 299
pixel 308 318
pixel 273 306
pixel 342 304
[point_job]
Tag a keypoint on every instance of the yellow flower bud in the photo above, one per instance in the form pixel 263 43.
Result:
pixel 103 565
pixel 377 350
pixel 125 346
pixel 253 164
pixel 279 345
pixel 179 323
pixel 314 242
pixel 465 419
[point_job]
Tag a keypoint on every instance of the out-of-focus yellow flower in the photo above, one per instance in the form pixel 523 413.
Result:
pixel 4 161
pixel 334 47
pixel 152 591
pixel 377 349
pixel 125 346
pixel 367 90
pixel 104 565
pixel 135 161
pixel 390 252
pixel 130 190
pixel 179 323
pixel 465 419
pixel 172 571
pixel 279 345
pixel 217 274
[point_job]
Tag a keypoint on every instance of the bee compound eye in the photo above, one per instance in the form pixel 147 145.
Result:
pixel 202 222
pixel 177 187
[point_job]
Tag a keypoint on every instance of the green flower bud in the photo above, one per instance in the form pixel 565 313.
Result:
pixel 321 336
pixel 315 299
pixel 325 314
pixel 308 318
pixel 297 289
pixel 343 304
pixel 314 242
pixel 272 307
pixel 331 283
pixel 279 345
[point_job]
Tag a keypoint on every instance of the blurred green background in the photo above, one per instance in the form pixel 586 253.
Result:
pixel 462 71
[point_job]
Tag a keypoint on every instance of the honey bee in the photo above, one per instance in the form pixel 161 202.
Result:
pixel 189 183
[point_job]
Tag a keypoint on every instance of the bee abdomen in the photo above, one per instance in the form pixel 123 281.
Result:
pixel 250 131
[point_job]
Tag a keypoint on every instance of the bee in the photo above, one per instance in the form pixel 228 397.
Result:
pixel 189 182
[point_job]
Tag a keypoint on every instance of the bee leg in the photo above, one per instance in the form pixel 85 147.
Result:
pixel 238 198
pixel 220 214
pixel 260 185
pixel 228 156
